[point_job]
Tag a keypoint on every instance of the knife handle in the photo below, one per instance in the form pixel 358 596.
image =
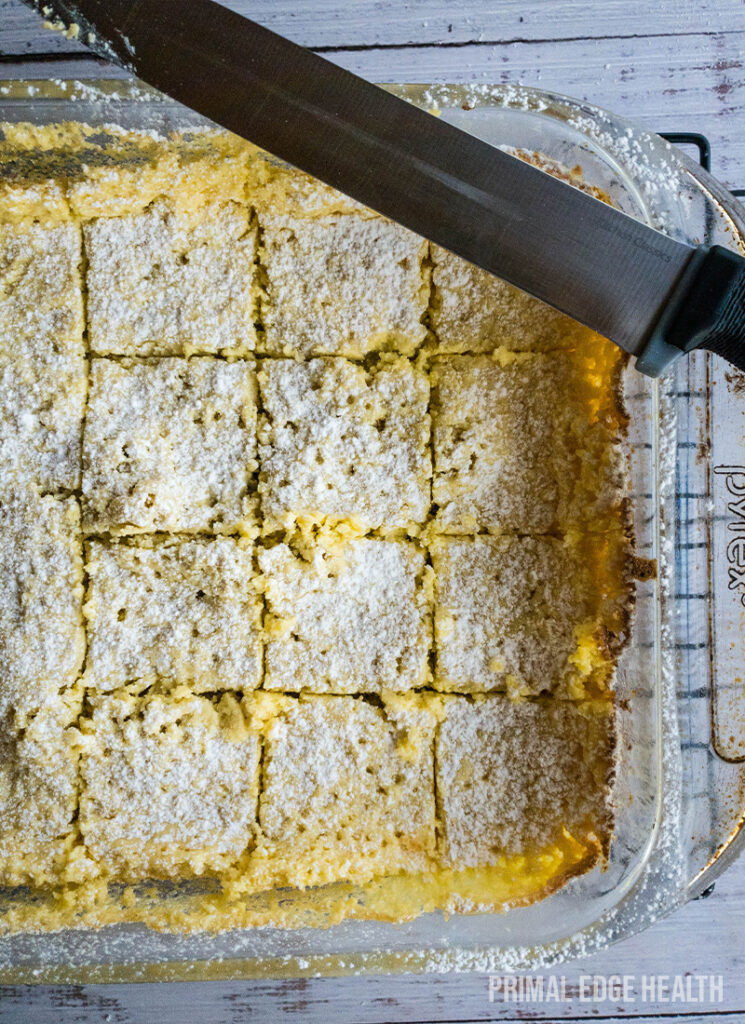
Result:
pixel 705 310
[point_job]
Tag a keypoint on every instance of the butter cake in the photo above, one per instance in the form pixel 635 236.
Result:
pixel 355 621
pixel 39 792
pixel 169 445
pixel 526 615
pixel 277 189
pixel 40 286
pixel 175 611
pixel 169 784
pixel 172 282
pixel 42 640
pixel 521 777
pixel 43 371
pixel 474 312
pixel 515 438
pixel 312 550
pixel 339 442
pixel 347 792
pixel 341 284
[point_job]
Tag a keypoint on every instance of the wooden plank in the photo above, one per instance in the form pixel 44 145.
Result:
pixel 333 23
pixel 85 1007
pixel 706 937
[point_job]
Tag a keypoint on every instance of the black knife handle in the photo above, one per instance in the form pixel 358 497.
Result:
pixel 705 310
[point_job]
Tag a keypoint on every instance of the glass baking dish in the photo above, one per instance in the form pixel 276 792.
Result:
pixel 680 795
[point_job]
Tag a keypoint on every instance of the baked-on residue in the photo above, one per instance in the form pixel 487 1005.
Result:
pixel 312 552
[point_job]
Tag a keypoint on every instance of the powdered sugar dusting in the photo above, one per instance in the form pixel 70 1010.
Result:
pixel 357 621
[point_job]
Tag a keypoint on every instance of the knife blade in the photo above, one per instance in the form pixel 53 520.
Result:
pixel 618 276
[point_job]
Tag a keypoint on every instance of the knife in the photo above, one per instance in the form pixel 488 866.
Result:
pixel 655 297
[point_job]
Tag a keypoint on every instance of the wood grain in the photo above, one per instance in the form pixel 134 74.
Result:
pixel 670 83
pixel 333 23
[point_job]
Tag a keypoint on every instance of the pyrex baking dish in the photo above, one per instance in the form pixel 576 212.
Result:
pixel 681 693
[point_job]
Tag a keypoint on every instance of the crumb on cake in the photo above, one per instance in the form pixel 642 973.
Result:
pixel 525 615
pixel 133 171
pixel 39 797
pixel 172 282
pixel 347 791
pixel 474 312
pixel 42 640
pixel 516 439
pixel 514 776
pixel 169 784
pixel 43 371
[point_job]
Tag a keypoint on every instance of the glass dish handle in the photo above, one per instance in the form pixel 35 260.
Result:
pixel 726 625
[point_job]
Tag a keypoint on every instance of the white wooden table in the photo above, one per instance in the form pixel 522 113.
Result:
pixel 672 65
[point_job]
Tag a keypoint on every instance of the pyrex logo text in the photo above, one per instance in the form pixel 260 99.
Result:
pixel 734 481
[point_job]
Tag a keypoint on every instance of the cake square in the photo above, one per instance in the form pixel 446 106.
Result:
pixel 342 284
pixel 338 442
pixel 519 777
pixel 41 200
pixel 474 312
pixel 279 190
pixel 40 292
pixel 169 445
pixel 177 611
pixel 347 791
pixel 128 171
pixel 170 281
pixel 523 614
pixel 357 621
pixel 169 785
pixel 42 642
pixel 522 443
pixel 43 371
pixel 42 405
pixel 38 796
